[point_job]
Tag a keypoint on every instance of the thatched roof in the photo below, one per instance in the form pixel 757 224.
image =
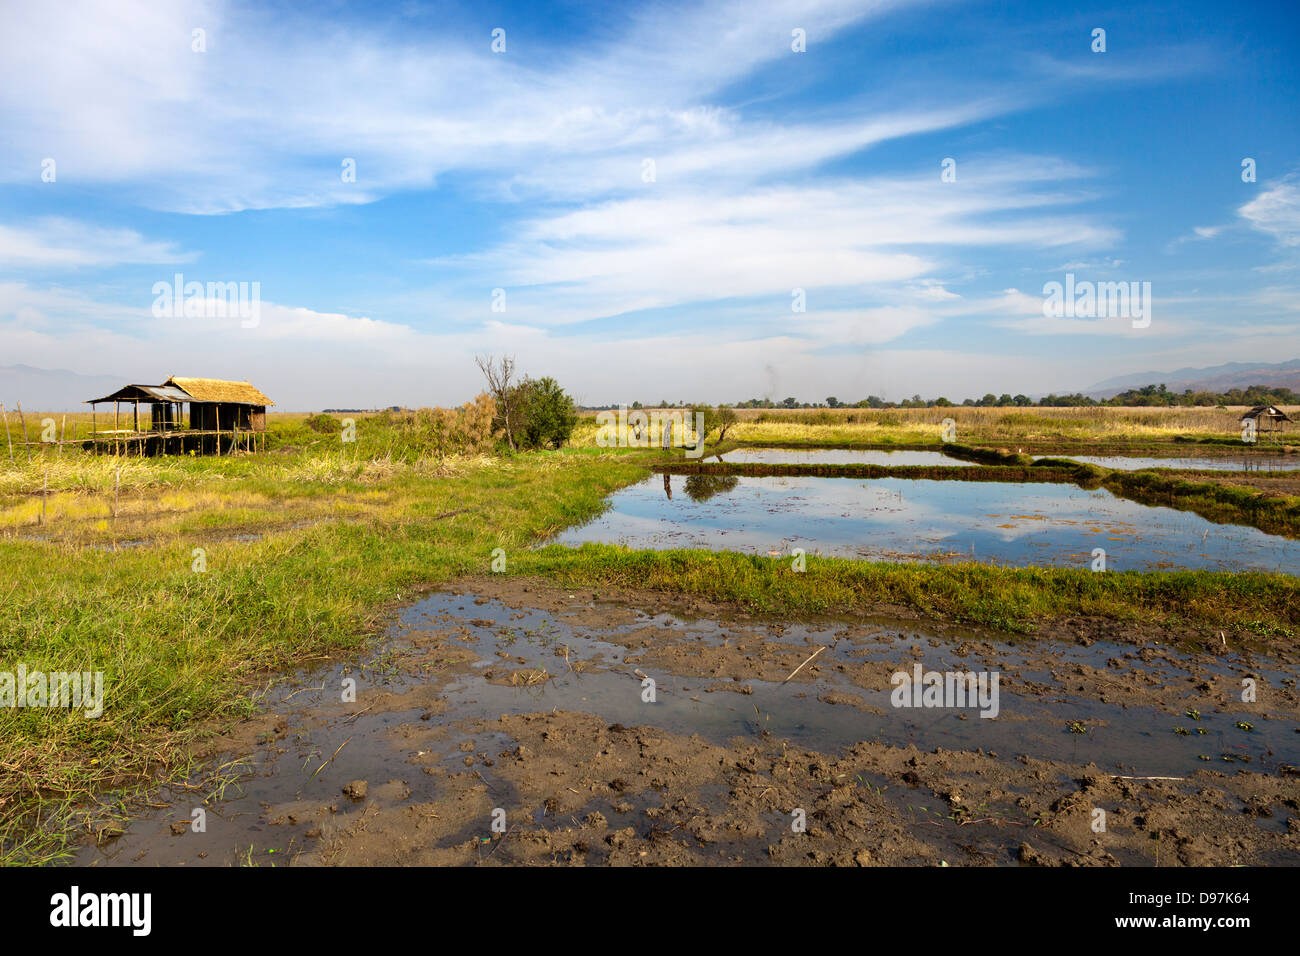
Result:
pixel 217 390
pixel 1271 412
pixel 143 393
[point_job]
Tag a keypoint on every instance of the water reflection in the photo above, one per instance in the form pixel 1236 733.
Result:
pixel 704 487
pixel 926 520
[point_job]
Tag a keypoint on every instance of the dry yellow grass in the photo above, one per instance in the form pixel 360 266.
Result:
pixel 923 426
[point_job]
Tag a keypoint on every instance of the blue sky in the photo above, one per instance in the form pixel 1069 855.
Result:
pixel 524 170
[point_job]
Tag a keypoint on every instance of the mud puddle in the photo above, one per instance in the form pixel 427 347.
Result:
pixel 534 704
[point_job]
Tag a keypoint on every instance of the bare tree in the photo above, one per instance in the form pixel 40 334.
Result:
pixel 500 374
pixel 726 419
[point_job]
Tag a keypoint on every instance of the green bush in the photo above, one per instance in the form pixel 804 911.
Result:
pixel 546 416
pixel 325 424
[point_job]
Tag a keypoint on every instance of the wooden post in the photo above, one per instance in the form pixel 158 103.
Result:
pixel 22 419
pixel 117 486
pixel 63 433
pixel 7 438
pixel 217 410
pixel 44 491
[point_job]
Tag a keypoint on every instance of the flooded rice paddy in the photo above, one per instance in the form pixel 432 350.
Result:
pixel 893 519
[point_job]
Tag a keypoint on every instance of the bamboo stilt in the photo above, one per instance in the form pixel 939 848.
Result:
pixel 23 421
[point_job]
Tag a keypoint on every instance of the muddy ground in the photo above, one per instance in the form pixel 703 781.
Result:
pixel 508 721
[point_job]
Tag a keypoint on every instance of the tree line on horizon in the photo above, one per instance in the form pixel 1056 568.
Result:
pixel 1147 395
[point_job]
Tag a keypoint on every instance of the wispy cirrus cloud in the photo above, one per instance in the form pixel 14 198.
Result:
pixel 675 247
pixel 265 115
pixel 1276 211
pixel 57 243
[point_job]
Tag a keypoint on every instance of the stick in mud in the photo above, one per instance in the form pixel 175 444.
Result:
pixel 332 756
pixel 800 667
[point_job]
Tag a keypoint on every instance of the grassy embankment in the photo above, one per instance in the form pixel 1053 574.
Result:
pixel 1015 600
pixel 307 545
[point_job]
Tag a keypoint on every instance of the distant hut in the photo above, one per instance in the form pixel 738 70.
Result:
pixel 217 409
pixel 1268 419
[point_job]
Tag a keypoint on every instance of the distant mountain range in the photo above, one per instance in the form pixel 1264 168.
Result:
pixel 1216 378
pixel 52 390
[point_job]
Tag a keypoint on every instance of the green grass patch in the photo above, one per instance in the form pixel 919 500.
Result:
pixel 179 649
pixel 1017 600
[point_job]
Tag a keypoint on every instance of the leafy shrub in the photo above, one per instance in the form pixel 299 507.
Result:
pixel 325 424
pixel 545 414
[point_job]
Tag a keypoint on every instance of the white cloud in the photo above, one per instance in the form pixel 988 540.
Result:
pixel 54 243
pixel 114 93
pixel 1276 211
pixel 678 246
pixel 306 359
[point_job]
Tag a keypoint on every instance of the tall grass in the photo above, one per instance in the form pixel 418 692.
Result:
pixel 924 426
